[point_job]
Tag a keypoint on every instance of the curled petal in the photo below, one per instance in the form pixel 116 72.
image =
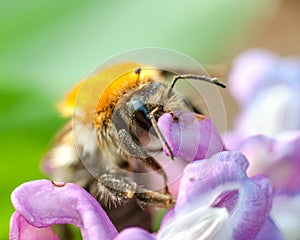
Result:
pixel 221 182
pixel 20 229
pixel 190 136
pixel 134 233
pixel 44 203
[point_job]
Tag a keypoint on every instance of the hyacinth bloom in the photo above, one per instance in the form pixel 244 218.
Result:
pixel 216 200
pixel 267 88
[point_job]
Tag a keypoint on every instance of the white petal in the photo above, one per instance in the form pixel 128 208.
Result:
pixel 201 223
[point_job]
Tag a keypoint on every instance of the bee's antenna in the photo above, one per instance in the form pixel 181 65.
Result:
pixel 197 77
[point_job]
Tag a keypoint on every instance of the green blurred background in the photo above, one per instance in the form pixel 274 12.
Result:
pixel 47 46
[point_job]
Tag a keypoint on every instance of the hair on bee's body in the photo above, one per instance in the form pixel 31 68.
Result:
pixel 96 148
pixel 115 125
pixel 137 107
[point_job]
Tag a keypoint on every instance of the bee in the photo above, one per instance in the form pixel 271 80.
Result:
pixel 110 114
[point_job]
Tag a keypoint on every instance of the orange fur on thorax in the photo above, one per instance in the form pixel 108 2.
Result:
pixel 110 97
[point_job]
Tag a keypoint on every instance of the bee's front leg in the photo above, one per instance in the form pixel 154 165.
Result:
pixel 133 149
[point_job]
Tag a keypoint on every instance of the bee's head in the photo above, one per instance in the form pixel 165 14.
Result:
pixel 134 112
pixel 155 96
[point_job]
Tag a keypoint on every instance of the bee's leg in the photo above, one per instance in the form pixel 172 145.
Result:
pixel 133 149
pixel 117 189
pixel 113 188
pixel 158 199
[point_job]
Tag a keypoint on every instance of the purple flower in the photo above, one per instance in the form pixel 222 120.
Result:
pixel 268 89
pixel 267 128
pixel 216 199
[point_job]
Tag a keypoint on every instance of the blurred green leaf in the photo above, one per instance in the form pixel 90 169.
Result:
pixel 28 122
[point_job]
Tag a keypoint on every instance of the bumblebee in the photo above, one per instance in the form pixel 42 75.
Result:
pixel 110 114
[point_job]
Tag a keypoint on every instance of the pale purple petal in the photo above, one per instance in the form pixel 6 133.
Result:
pixel 233 140
pixel 258 150
pixel 43 203
pixel 286 214
pixel 286 151
pixel 268 88
pixel 221 182
pixel 20 229
pixel 278 158
pixel 249 71
pixel 190 136
pixel 268 115
pixel 134 233
pixel 257 69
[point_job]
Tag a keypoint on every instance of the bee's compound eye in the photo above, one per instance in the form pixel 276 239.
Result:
pixel 141 114
pixel 139 107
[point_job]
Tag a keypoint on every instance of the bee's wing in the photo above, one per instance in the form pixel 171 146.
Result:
pixel 75 151
pixel 72 146
pixel 63 161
